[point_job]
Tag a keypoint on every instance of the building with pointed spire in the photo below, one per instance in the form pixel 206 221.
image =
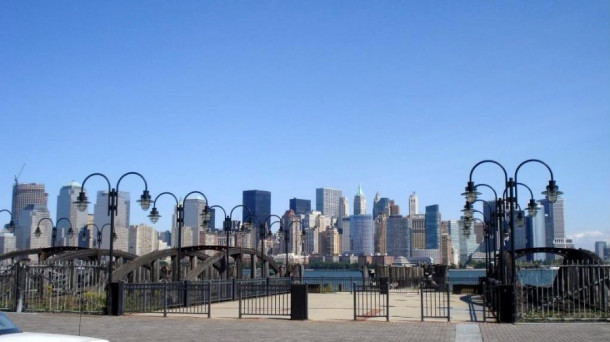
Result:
pixel 359 202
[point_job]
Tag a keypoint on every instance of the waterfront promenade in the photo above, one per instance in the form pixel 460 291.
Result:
pixel 330 319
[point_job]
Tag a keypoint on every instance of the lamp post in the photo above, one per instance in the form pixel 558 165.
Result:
pixel 113 197
pixel 265 231
pixel 227 227
pixel 11 224
pixel 98 235
pixel 552 193
pixel 154 217
pixel 287 239
pixel 38 232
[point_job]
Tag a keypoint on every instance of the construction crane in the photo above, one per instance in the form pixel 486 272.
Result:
pixel 19 174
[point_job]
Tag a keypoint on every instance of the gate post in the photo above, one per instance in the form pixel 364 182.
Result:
pixel 505 301
pixel 185 293
pixel 298 302
pixel 118 304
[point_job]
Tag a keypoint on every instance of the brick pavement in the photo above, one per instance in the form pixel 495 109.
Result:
pixel 331 319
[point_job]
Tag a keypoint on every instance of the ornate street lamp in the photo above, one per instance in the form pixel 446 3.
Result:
pixel 552 192
pixel 69 234
pixel 154 217
pixel 113 198
pixel 286 232
pixel 228 228
pixel 11 225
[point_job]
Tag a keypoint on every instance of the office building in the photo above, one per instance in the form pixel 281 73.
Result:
pixel 29 220
pixel 380 235
pixel 417 223
pixel 121 220
pixel 359 202
pixel 327 201
pixel 343 212
pixel 27 194
pixel 66 208
pixel 413 204
pixel 600 249
pixel 433 226
pixel 193 208
pixel 300 206
pixel 362 234
pixel 381 205
pixel 8 242
pixel 259 203
pixel 143 239
pixel 398 236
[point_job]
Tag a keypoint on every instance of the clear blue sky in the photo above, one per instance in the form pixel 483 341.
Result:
pixel 289 96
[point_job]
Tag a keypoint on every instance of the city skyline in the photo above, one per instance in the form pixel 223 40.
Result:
pixel 291 97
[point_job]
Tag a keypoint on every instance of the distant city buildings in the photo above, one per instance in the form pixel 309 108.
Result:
pixel 327 201
pixel 300 206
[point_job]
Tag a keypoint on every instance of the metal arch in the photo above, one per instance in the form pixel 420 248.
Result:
pixel 47 251
pixel 147 259
pixel 233 251
pixel 90 254
pixel 569 253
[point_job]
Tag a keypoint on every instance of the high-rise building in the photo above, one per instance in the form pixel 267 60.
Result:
pixel 413 204
pixel 398 236
pixel 362 235
pixel 380 234
pixel 67 209
pixel 343 212
pixel 193 208
pixel 143 239
pixel 554 222
pixel 29 220
pixel 536 233
pixel 327 201
pixel 259 203
pixel 121 220
pixel 292 223
pixel 345 232
pixel 433 226
pixel 381 205
pixel 359 202
pixel 300 206
pixel 600 249
pixel 417 223
pixel 8 243
pixel 24 195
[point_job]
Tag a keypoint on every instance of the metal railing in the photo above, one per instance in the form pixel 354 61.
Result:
pixel 435 301
pixel 490 296
pixel 371 301
pixel 566 292
pixel 167 298
pixel 61 287
pixel 324 284
pixel 264 299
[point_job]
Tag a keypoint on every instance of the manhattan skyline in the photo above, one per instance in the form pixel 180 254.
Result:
pixel 289 97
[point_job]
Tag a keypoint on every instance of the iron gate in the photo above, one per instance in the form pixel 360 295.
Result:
pixel 435 301
pixel 372 300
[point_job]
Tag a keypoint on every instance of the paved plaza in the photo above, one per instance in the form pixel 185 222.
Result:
pixel 330 319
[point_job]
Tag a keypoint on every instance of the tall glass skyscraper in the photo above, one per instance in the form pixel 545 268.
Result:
pixel 327 201
pixel 121 220
pixel 24 195
pixel 259 203
pixel 66 208
pixel 300 206
pixel 362 234
pixel 433 227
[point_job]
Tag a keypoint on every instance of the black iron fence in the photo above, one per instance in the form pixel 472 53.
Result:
pixel 372 300
pixel 166 298
pixel 71 286
pixel 264 299
pixel 435 301
pixel 566 292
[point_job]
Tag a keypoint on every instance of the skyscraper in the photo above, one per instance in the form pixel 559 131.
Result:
pixel 259 203
pixel 300 206
pixel 600 249
pixel 66 208
pixel 433 227
pixel 343 212
pixel 362 235
pixel 26 194
pixel 31 215
pixel 398 236
pixel 381 205
pixel 553 222
pixel 413 204
pixel 121 220
pixel 327 201
pixel 193 208
pixel 359 202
